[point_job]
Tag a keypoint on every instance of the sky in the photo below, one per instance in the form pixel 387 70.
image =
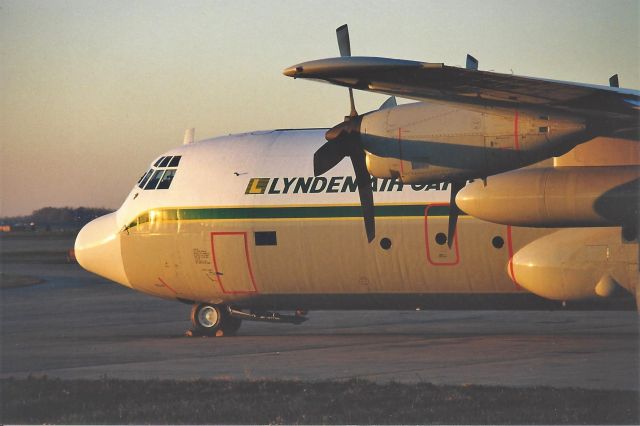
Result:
pixel 92 91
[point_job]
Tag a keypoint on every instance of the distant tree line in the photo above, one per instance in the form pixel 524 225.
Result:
pixel 66 217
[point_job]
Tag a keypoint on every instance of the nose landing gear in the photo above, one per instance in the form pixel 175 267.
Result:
pixel 223 320
pixel 213 321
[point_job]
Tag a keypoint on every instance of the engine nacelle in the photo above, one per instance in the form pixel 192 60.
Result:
pixel 434 142
pixel 557 197
pixel 573 264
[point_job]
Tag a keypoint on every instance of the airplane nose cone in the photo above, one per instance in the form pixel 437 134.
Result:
pixel 97 249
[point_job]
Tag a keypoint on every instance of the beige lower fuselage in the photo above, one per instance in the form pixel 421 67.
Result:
pixel 306 260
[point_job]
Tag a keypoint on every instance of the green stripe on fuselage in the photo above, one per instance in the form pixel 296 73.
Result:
pixel 286 212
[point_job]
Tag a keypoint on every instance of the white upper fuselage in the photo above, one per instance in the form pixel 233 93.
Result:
pixel 217 172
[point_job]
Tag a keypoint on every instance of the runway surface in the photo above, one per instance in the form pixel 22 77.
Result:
pixel 77 325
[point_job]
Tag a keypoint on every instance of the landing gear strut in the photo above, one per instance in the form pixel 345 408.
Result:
pixel 212 320
pixel 222 320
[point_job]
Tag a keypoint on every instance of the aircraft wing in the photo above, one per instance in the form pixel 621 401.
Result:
pixel 436 81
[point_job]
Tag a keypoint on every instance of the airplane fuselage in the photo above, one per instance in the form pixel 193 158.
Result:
pixel 245 223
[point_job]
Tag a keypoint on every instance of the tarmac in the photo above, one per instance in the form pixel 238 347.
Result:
pixel 77 325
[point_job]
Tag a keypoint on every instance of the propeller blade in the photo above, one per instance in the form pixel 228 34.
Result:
pixel 328 156
pixel 353 113
pixel 342 32
pixel 454 211
pixel 344 140
pixel 363 180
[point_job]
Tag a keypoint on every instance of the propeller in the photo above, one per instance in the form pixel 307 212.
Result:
pixel 343 140
pixel 454 210
pixel 457 185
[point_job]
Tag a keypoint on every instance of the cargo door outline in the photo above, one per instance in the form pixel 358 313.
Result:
pixel 220 274
pixel 431 247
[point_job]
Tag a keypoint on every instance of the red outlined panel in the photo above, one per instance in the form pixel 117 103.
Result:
pixel 432 247
pixel 238 268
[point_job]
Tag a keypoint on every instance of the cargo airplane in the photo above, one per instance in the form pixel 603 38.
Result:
pixel 492 190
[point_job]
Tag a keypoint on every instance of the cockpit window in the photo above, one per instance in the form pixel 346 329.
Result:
pixel 153 182
pixel 145 178
pixel 164 162
pixel 166 179
pixel 160 175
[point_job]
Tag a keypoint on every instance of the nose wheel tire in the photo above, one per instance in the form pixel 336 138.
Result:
pixel 213 320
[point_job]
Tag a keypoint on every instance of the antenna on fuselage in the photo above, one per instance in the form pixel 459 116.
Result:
pixel 189 135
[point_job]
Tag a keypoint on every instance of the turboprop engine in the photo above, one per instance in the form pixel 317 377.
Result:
pixel 574 264
pixel 557 197
pixel 441 141
pixel 435 142
pixel 427 143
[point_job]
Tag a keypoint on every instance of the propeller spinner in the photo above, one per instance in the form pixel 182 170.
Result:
pixel 343 140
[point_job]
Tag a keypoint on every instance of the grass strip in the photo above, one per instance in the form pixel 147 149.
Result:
pixel 110 401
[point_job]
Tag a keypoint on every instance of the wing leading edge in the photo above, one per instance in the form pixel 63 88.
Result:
pixel 436 81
